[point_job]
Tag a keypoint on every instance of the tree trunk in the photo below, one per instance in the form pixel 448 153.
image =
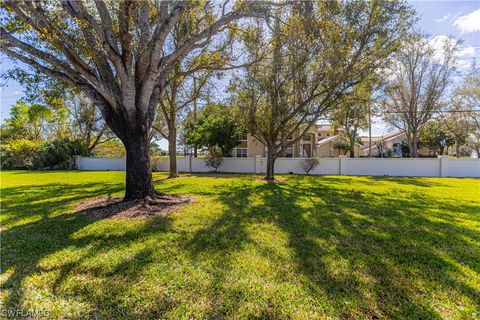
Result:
pixel 139 183
pixel 413 147
pixel 457 149
pixel 172 151
pixel 369 132
pixel 352 151
pixel 195 152
pixel 270 176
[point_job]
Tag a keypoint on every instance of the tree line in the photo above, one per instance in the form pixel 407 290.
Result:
pixel 143 69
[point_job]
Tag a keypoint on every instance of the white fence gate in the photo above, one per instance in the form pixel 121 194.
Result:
pixel 422 167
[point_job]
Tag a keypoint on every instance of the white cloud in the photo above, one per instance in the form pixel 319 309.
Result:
pixel 464 55
pixel 438 44
pixel 469 22
pixel 451 17
pixel 444 18
pixel 468 52
pixel 463 64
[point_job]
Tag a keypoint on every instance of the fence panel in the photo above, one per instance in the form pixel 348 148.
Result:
pixel 238 165
pixel 327 166
pixel 390 167
pixel 83 163
pixel 431 167
pixel 463 168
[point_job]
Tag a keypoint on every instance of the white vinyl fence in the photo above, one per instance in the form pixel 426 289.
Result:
pixel 83 163
pixel 422 167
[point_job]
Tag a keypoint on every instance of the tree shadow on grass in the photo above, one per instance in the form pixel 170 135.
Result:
pixel 39 226
pixel 44 199
pixel 412 181
pixel 369 255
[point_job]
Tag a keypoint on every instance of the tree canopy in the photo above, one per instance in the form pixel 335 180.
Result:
pixel 118 53
pixel 217 129
pixel 310 56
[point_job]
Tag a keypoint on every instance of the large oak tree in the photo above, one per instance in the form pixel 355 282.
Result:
pixel 118 54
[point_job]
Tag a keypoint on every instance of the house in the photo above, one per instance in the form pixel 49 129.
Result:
pixel 329 138
pixel 327 148
pixel 320 141
pixel 251 147
pixel 392 144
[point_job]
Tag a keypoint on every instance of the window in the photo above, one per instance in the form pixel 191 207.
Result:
pixel 396 149
pixel 243 137
pixel 289 153
pixel 319 134
pixel 307 138
pixel 290 138
pixel 328 134
pixel 242 152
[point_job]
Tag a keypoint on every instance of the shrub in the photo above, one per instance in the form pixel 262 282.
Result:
pixel 156 162
pixel 309 164
pixel 21 154
pixel 59 153
pixel 214 160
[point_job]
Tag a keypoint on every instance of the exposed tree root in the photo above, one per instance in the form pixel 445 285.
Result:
pixel 116 208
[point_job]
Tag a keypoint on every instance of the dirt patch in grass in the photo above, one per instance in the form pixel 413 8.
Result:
pixel 115 208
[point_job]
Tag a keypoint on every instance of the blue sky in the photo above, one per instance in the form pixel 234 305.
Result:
pixel 460 19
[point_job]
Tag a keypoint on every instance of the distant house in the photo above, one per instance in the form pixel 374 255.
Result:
pixel 328 139
pixel 251 147
pixel 326 148
pixel 392 142
pixel 320 141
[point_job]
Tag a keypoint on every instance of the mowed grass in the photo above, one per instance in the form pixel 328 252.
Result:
pixel 311 248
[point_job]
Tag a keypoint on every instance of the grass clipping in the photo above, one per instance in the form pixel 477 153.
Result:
pixel 116 208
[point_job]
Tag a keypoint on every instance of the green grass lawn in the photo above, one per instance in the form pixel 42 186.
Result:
pixel 313 247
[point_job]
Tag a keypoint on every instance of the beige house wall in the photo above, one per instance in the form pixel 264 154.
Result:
pixel 255 147
pixel 422 151
pixel 328 150
pixel 324 151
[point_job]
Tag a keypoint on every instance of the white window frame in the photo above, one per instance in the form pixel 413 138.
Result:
pixel 241 149
pixel 286 150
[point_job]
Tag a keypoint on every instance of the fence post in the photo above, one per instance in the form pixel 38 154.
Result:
pixel 443 166
pixel 257 163
pixel 340 169
pixel 190 163
pixel 77 162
